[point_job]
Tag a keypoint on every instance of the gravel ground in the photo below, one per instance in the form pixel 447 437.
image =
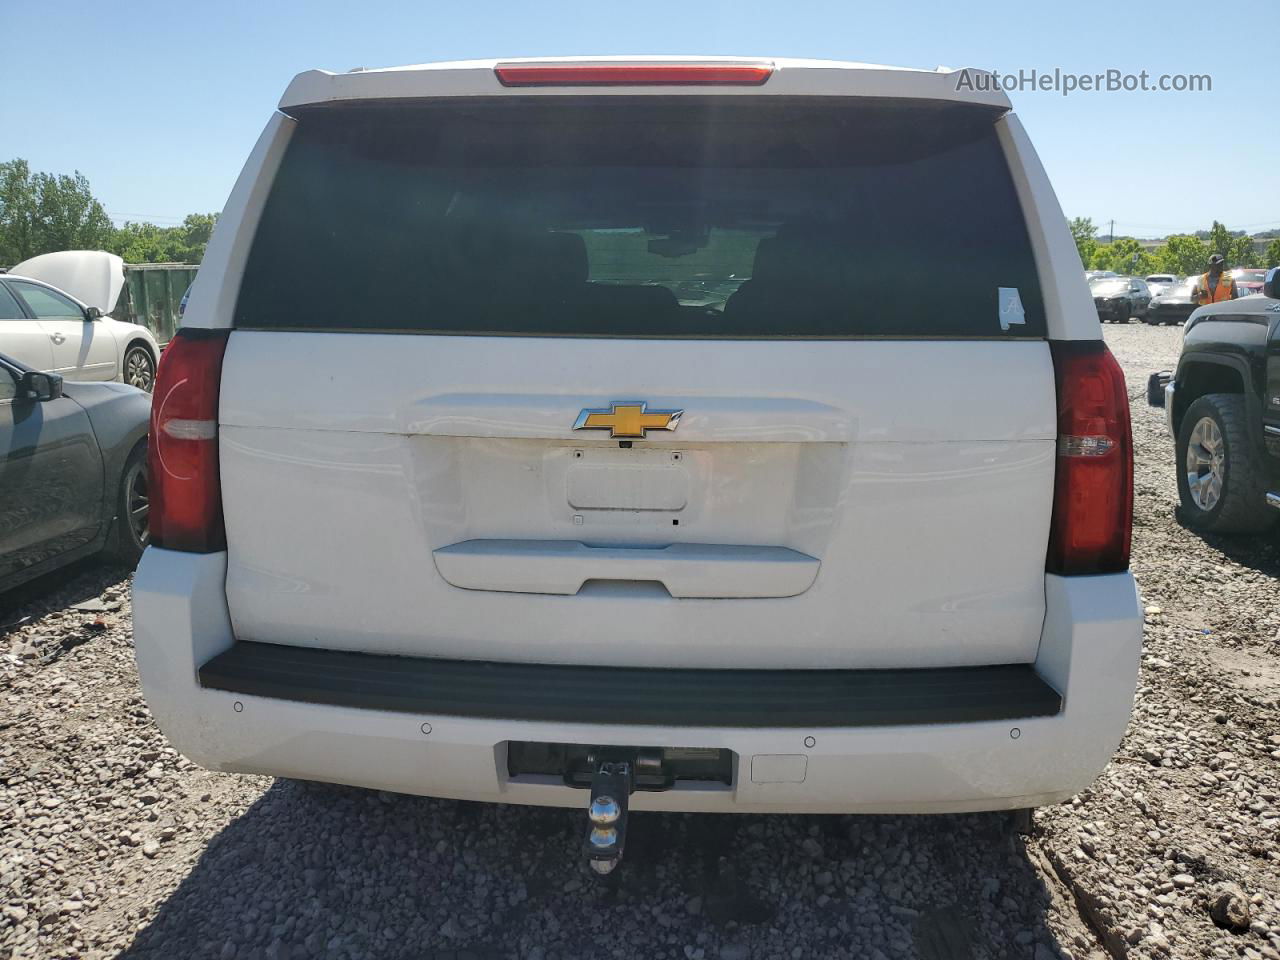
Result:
pixel 112 845
pixel 1188 814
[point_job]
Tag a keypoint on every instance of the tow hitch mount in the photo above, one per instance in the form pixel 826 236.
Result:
pixel 613 779
pixel 612 774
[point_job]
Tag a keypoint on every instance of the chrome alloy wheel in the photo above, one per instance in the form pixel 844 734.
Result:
pixel 1206 464
pixel 139 371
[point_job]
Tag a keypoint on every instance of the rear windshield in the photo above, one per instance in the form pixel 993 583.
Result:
pixel 645 217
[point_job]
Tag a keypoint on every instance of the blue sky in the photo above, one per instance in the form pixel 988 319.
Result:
pixel 158 103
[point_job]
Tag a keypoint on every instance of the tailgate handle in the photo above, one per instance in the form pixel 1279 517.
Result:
pixel 687 570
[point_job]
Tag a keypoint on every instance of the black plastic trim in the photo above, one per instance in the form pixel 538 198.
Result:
pixel 632 695
pixel 1241 362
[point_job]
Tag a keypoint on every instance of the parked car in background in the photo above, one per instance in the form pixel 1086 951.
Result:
pixel 1158 283
pixel 55 317
pixel 1092 275
pixel 590 443
pixel 1117 299
pixel 1249 280
pixel 1174 305
pixel 73 478
pixel 1222 405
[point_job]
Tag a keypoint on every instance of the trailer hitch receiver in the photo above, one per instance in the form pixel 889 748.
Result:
pixel 612 782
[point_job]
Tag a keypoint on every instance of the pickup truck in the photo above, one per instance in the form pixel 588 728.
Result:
pixel 1223 409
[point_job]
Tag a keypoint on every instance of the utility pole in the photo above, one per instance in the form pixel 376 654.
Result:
pixel 1112 233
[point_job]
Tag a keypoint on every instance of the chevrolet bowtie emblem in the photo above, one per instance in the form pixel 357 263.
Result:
pixel 628 418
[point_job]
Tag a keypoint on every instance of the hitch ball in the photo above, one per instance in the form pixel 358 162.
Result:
pixel 604 810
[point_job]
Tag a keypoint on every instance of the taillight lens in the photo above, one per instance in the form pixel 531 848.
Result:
pixel 182 447
pixel 1093 485
pixel 632 75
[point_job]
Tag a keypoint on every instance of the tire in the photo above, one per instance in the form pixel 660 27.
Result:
pixel 1230 495
pixel 139 368
pixel 129 535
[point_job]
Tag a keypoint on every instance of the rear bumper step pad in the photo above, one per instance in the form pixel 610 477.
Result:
pixel 632 695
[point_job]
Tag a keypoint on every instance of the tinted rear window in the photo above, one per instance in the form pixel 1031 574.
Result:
pixel 645 217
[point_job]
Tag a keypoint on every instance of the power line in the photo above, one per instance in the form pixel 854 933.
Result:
pixel 148 217
pixel 1169 226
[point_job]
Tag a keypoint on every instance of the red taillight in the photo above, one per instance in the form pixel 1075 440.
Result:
pixel 1093 486
pixel 631 75
pixel 182 447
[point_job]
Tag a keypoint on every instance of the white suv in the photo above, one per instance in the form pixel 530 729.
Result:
pixel 544 427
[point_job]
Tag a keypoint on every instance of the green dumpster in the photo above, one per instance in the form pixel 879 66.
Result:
pixel 151 295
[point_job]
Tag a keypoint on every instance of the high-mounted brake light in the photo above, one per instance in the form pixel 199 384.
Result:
pixel 631 75
pixel 1093 486
pixel 182 446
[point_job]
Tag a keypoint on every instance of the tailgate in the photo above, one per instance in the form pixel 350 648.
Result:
pixel 658 382
pixel 901 490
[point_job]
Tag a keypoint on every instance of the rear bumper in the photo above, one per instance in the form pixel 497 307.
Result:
pixel 1088 654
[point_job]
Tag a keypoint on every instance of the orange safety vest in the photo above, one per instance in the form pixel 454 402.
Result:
pixel 1218 294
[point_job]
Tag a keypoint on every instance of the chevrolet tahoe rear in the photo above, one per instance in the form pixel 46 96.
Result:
pixel 541 425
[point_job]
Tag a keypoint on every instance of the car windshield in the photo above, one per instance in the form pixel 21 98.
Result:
pixel 1110 285
pixel 1250 276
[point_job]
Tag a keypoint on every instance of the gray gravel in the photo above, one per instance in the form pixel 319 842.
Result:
pixel 1189 810
pixel 111 844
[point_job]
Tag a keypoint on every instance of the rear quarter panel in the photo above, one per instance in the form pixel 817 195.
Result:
pixel 119 415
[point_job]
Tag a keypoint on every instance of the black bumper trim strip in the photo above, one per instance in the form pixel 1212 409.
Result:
pixel 632 695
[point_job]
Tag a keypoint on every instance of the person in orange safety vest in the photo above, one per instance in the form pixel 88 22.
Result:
pixel 1213 287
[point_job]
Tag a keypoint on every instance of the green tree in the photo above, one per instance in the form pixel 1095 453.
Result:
pixel 139 243
pixel 68 216
pixel 1085 235
pixel 17 212
pixel 1271 256
pixel 1125 256
pixel 43 212
pixel 1243 253
pixel 1183 255
pixel 197 228
pixel 148 243
pixel 1219 239
pixel 1235 245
